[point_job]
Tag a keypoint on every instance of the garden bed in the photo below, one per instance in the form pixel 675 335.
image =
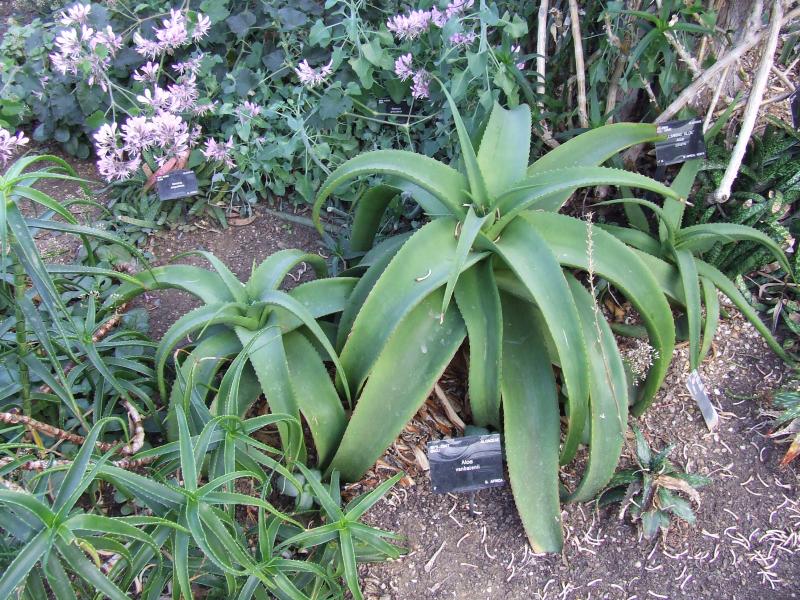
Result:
pixel 746 541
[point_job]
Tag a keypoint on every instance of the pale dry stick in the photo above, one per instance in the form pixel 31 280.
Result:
pixel 723 191
pixel 741 104
pixel 715 98
pixel 583 115
pixel 541 60
pixel 541 47
pixel 782 76
pixel 691 91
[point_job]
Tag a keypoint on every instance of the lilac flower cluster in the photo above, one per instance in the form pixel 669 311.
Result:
pixel 219 152
pixel 77 45
pixel 421 79
pixel 172 34
pixel 463 39
pixel 515 49
pixel 120 155
pixel 9 144
pixel 417 22
pixel 312 77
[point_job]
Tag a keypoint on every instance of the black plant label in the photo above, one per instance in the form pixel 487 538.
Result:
pixel 684 142
pixel 466 464
pixel 389 107
pixel 176 184
pixel 794 103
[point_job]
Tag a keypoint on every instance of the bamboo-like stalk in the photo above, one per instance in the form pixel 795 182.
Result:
pixel 580 69
pixel 22 337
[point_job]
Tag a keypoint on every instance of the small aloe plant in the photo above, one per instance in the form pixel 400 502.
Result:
pixel 649 492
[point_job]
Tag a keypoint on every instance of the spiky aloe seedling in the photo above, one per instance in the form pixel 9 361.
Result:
pixel 649 492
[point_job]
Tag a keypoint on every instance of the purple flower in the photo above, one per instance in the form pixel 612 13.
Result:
pixel 113 166
pixel 145 47
pixel 77 14
pixel 402 67
pixel 410 26
pixel 148 73
pixel 105 138
pixel 438 17
pixel 9 144
pixel 170 133
pixel 515 49
pixel 190 66
pixel 137 135
pixel 458 7
pixel 159 99
pixel 249 110
pixel 183 95
pixel 201 27
pixel 310 77
pixel 219 152
pixel 422 81
pixel 108 38
pixel 173 34
pixel 463 39
pixel 202 109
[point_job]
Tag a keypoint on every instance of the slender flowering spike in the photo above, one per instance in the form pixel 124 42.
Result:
pixel 402 67
pixel 421 87
pixel 77 14
pixel 194 136
pixel 105 138
pixel 410 26
pixel 310 77
pixel 9 144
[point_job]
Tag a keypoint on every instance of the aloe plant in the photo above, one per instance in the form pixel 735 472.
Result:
pixel 497 245
pixel 277 337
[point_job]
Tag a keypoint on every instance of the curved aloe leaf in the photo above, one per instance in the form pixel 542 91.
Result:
pixel 477 185
pixel 466 238
pixel 376 266
pixel 691 292
pixel 320 297
pixel 273 270
pixel 420 348
pixel 698 236
pixel 528 193
pixel 199 318
pixel 369 210
pixel 235 287
pixel 531 426
pixel 608 395
pixel 592 148
pixel 727 287
pixel 421 266
pixel 528 255
pixel 479 304
pixel 633 237
pixel 23 562
pixel 445 183
pixel 505 148
pixel 202 283
pixel 711 301
pixel 315 395
pixel 568 238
